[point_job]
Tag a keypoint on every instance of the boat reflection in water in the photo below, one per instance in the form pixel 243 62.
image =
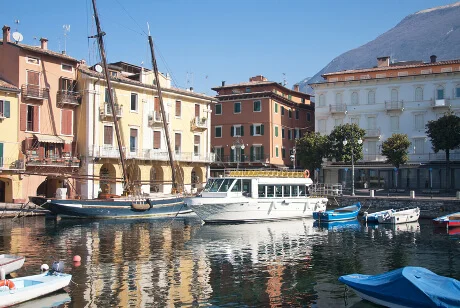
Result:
pixel 57 299
pixel 338 226
pixel 413 227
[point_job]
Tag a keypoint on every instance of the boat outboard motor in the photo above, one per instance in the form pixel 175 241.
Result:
pixel 57 267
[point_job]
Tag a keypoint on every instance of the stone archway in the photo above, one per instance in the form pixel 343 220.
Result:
pixel 2 191
pixel 156 180
pixel 197 178
pixel 108 179
pixel 180 178
pixel 134 177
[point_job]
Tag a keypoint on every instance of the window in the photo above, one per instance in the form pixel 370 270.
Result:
pixel 418 94
pixel 354 120
pixel 218 132
pixel 257 153
pixel 196 145
pixel 177 142
pixel 257 130
pixel 440 93
pixel 257 106
pixel 338 98
pixel 457 91
pixel 32 118
pixel 276 131
pixel 380 75
pixel 297 133
pixel 276 108
pixel 4 109
pixel 394 95
pixel 197 111
pixel 322 126
pixel 354 98
pixel 419 145
pixel 371 123
pixel 156 139
pixel 133 101
pixel 33 60
pixel 133 139
pixel 282 110
pixel 371 98
pixel 289 134
pixel 276 151
pixel 218 109
pixel 113 74
pixel 108 135
pixel 297 114
pixel 372 149
pixel 67 85
pixel 219 151
pixel 178 109
pixel 290 113
pixel 394 123
pixel 237 131
pixel 308 117
pixel 237 107
pixel 302 100
pixel 322 100
pixel 290 97
pixel 66 121
pixel 66 67
pixel 248 90
pixel 106 95
pixel 419 122
pixel 338 122
pixel 283 152
pixel 282 133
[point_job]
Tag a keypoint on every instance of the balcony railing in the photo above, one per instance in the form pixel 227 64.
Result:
pixel 426 157
pixel 372 133
pixel 199 123
pixel 69 98
pixel 394 106
pixel 155 118
pixel 9 163
pixel 373 158
pixel 338 108
pixel 34 92
pixel 242 158
pixel 57 161
pixel 107 111
pixel 440 103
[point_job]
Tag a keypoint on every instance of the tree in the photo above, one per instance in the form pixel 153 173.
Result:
pixel 311 149
pixel 395 149
pixel 352 133
pixel 444 134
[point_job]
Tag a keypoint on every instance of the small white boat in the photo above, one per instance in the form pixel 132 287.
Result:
pixel 400 216
pixel 18 290
pixel 374 217
pixel 11 263
pixel 256 195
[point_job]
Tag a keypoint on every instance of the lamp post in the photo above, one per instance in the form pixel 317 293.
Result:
pixel 345 142
pixel 238 144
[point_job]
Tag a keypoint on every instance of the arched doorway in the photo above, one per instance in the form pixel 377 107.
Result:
pixel 107 182
pixel 156 179
pixel 180 178
pixel 2 191
pixel 197 178
pixel 134 177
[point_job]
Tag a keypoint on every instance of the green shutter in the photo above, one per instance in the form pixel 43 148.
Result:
pixel 282 133
pixel 232 155
pixel 276 108
pixel 231 130
pixel 262 129
pixel 276 152
pixel 242 154
pixel 1 154
pixel 283 152
pixel 251 130
pixel 252 154
pixel 242 130
pixel 6 109
pixel 262 153
pixel 276 131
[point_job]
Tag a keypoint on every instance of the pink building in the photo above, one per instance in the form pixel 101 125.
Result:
pixel 255 124
pixel 47 100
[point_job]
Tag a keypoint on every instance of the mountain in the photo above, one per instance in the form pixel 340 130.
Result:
pixel 434 31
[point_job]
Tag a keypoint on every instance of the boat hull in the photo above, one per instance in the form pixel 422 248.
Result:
pixel 374 217
pixel 448 221
pixel 398 217
pixel 11 263
pixel 339 214
pixel 100 209
pixel 31 287
pixel 251 210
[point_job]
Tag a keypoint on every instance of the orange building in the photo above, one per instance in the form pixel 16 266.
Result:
pixel 255 124
pixel 48 96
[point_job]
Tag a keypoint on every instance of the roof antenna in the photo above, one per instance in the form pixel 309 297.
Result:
pixel 16 35
pixel 66 30
pixel 284 80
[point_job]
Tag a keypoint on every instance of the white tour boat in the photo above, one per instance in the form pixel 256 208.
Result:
pixel 256 195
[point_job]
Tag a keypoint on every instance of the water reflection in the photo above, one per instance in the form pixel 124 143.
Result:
pixel 150 262
pixel 58 299
pixel 338 226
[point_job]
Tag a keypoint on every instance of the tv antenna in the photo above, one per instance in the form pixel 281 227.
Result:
pixel 17 37
pixel 189 80
pixel 284 80
pixel 66 30
pixel 16 21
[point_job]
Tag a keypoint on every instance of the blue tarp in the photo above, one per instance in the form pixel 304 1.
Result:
pixel 408 286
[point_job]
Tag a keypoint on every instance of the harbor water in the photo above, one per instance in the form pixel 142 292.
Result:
pixel 182 263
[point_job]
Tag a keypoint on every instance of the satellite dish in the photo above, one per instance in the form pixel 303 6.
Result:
pixel 17 36
pixel 98 68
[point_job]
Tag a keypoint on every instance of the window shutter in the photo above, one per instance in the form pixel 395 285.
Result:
pixel 262 129
pixel 6 109
pixel 262 156
pixel 231 130
pixel 252 154
pixel 157 140
pixel 251 130
pixel 67 147
pixel 1 152
pixel 197 139
pixel 36 119
pixel 178 108
pixel 231 155
pixel 41 151
pixel 283 152
pixel 157 104
pixel 23 117
pixel 242 130
pixel 70 121
pixel 242 154
pixel 197 110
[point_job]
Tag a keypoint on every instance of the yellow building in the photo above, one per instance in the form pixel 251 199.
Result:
pixel 11 161
pixel 142 132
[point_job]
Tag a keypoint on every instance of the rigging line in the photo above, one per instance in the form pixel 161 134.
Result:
pixel 131 17
pixel 157 48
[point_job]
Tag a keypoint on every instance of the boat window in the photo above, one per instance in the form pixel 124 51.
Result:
pixel 237 185
pixel 278 191
pixel 270 191
pixel 287 191
pixel 247 187
pixel 225 185
pixel 215 185
pixel 208 184
pixel 294 191
pixel 262 191
pixel 302 190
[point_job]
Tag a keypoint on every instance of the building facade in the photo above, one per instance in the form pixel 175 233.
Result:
pixel 48 97
pixel 255 124
pixel 391 98
pixel 143 137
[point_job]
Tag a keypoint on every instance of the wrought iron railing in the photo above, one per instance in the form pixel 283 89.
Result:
pixel 34 91
pixel 65 97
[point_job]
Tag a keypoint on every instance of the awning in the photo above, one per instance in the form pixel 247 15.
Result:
pixel 48 138
pixel 67 139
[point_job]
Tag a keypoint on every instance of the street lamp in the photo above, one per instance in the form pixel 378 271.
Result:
pixel 238 144
pixel 345 142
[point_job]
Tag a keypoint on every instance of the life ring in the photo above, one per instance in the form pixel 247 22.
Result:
pixel 306 173
pixel 7 283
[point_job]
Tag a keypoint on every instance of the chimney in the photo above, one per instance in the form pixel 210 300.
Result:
pixel 6 33
pixel 383 61
pixel 44 43
pixel 191 89
pixel 296 87
pixel 258 78
pixel 433 59
pixel 223 83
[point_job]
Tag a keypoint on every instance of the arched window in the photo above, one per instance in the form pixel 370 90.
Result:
pixel 354 98
pixel 322 100
pixel 371 97
pixel 394 95
pixel 440 92
pixel 419 94
pixel 338 99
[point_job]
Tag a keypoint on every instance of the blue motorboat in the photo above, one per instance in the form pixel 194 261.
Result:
pixel 406 287
pixel 338 226
pixel 342 213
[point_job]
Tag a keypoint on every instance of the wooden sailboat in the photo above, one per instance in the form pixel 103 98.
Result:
pixel 120 207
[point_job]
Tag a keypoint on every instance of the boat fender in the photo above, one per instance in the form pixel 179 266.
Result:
pixel 44 267
pixel 306 173
pixel 7 283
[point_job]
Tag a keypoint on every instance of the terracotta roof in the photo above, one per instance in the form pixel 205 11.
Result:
pixel 7 85
pixel 258 83
pixel 395 67
pixel 87 71
pixel 48 52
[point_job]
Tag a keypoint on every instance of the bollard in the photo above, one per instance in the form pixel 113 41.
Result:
pixel 412 194
pixel 372 193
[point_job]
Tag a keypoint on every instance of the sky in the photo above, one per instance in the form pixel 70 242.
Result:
pixel 201 43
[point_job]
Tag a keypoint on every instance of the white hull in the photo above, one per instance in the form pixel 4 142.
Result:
pixel 404 216
pixel 220 210
pixel 11 263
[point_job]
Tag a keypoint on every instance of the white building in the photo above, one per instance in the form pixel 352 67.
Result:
pixel 391 98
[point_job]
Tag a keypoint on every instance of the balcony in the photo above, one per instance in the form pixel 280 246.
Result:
pixel 394 106
pixel 67 98
pixel 199 124
pixel 245 159
pixel 9 163
pixel 107 111
pixel 29 91
pixel 372 133
pixel 156 119
pixel 105 151
pixel 338 109
pixel 440 104
pixel 373 158
pixel 54 161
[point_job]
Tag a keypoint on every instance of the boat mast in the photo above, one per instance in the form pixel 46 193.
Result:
pixel 163 113
pixel 100 34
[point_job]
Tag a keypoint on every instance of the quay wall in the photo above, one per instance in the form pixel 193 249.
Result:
pixel 429 208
